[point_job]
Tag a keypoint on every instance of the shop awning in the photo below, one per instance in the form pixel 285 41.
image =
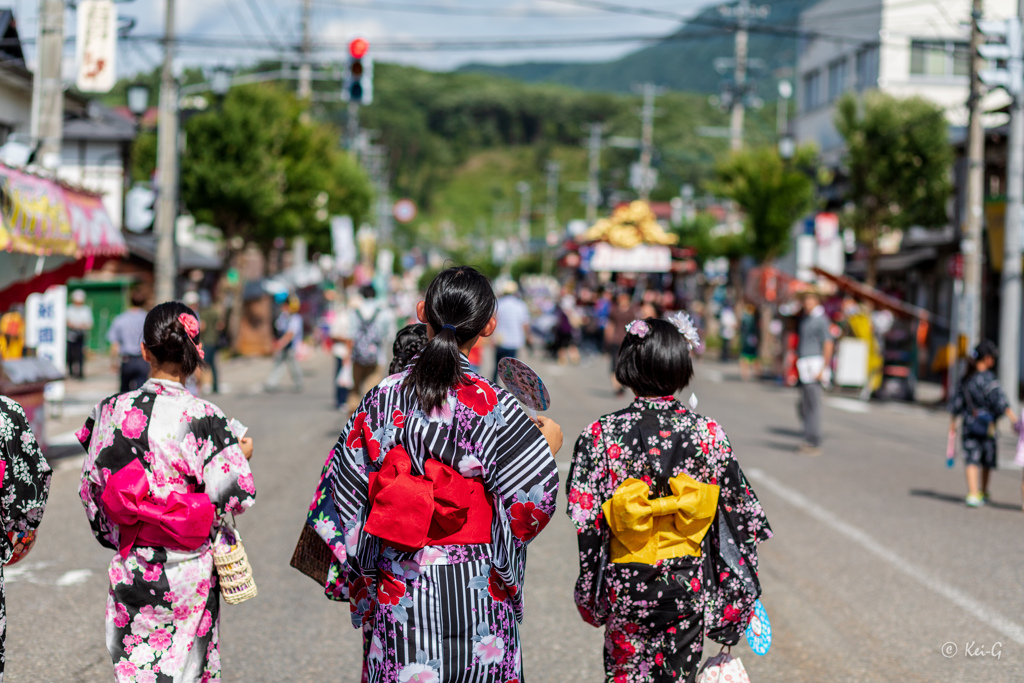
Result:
pixel 95 234
pixel 33 217
pixel 880 299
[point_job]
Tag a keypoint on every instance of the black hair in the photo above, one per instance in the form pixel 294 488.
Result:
pixel 368 291
pixel 986 348
pixel 137 297
pixel 166 339
pixel 457 306
pixel 657 364
pixel 409 341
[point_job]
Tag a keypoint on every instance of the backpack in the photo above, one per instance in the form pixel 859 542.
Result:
pixel 366 341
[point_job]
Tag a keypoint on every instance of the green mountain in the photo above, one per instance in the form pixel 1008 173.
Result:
pixel 684 60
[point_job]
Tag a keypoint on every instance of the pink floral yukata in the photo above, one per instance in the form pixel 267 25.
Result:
pixel 656 615
pixel 163 608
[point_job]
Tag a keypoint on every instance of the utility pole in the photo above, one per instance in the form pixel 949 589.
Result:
pixel 971 245
pixel 551 209
pixel 649 91
pixel 1010 299
pixel 523 188
pixel 165 265
pixel 305 89
pixel 736 115
pixel 594 171
pixel 47 125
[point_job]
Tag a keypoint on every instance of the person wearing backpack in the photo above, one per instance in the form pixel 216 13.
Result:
pixel 370 327
pixel 981 401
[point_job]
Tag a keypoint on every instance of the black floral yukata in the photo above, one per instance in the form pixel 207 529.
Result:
pixel 26 485
pixel 979 392
pixel 656 614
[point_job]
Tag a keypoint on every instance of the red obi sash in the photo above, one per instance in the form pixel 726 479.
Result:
pixel 409 512
pixel 182 522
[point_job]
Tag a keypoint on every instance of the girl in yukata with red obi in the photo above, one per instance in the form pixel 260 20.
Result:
pixel 162 466
pixel 428 502
pixel 667 524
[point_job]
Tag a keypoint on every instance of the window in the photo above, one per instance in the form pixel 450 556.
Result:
pixel 867 68
pixel 939 59
pixel 812 90
pixel 836 79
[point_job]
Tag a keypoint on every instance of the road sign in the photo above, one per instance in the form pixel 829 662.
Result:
pixel 405 210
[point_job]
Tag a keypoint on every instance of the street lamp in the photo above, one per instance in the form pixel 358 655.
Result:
pixel 220 81
pixel 787 145
pixel 138 100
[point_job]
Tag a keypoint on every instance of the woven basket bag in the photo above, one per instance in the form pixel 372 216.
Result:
pixel 233 569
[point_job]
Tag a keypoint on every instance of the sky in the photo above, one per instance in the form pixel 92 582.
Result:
pixel 247 23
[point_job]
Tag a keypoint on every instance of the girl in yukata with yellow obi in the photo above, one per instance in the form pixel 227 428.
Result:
pixel 667 524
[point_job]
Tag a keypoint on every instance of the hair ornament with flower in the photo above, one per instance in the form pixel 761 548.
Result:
pixel 685 325
pixel 191 325
pixel 638 327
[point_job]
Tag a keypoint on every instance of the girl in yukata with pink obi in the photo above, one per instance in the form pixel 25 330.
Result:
pixel 162 468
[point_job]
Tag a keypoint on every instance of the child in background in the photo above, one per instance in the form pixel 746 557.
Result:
pixel 655 492
pixel 409 341
pixel 150 451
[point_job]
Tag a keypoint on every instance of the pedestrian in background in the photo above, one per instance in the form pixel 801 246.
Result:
pixel 409 341
pixel 341 341
pixel 371 324
pixel 814 358
pixel 80 324
pixel 125 339
pixel 151 451
pixel 750 343
pixel 214 335
pixel 980 401
pixel 289 326
pixel 513 328
pixel 667 525
pixel 728 325
pixel 454 584
pixel 620 315
pixel 25 477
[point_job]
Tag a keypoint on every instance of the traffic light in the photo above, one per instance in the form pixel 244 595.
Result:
pixel 1004 49
pixel 358 85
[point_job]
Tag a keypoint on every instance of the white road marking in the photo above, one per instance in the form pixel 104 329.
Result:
pixel 24 571
pixel 850 405
pixel 564 466
pixel 1007 627
pixel 74 577
pixel 713 376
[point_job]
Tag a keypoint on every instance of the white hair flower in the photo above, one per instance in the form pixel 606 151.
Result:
pixel 686 328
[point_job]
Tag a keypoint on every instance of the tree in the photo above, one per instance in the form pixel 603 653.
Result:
pixel 773 193
pixel 898 159
pixel 255 168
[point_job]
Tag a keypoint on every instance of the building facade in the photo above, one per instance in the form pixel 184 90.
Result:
pixel 899 47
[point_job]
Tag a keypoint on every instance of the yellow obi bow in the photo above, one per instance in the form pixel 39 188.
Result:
pixel 646 530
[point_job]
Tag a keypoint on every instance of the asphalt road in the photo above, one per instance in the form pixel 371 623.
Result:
pixel 875 566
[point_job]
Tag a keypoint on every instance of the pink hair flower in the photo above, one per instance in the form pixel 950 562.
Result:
pixel 638 327
pixel 190 324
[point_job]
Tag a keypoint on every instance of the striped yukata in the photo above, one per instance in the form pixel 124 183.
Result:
pixel 443 613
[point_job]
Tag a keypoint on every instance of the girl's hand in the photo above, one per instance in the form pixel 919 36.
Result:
pixel 552 432
pixel 245 443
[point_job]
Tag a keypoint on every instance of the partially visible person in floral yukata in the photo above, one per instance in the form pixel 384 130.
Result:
pixel 667 524
pixel 26 485
pixel 154 451
pixel 436 487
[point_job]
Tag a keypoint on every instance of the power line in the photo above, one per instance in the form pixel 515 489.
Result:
pixel 447 10
pixel 261 20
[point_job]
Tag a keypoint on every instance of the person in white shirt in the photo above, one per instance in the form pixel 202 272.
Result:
pixel 513 325
pixel 371 327
pixel 80 323
pixel 289 325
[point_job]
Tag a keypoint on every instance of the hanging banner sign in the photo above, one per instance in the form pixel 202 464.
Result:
pixel 33 218
pixel 646 258
pixel 97 45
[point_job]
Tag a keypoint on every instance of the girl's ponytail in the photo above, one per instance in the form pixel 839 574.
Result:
pixel 458 305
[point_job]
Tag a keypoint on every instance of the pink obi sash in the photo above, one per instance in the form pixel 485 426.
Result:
pixel 182 522
pixel 442 507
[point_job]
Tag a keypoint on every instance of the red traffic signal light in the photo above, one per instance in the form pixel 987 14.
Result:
pixel 358 48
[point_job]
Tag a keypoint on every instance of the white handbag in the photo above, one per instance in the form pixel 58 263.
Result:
pixel 723 668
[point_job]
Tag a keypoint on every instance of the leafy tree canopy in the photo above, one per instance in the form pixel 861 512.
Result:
pixel 255 168
pixel 773 193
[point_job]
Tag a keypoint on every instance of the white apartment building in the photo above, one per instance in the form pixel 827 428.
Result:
pixel 902 47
